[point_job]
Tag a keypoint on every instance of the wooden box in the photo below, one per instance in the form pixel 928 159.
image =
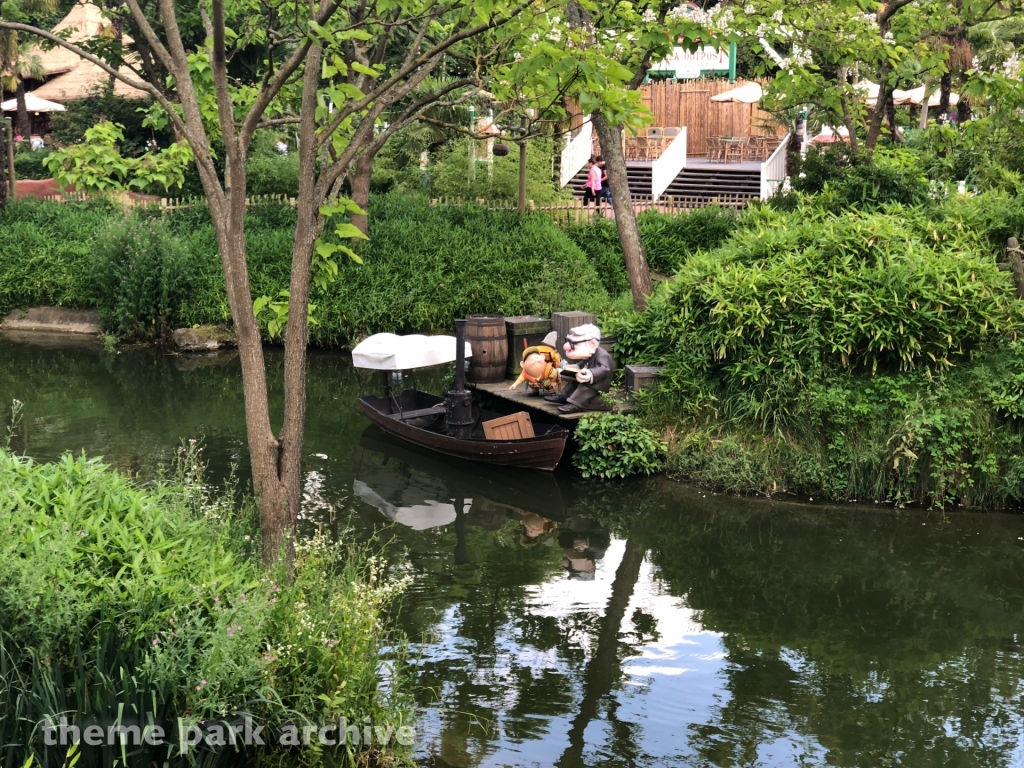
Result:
pixel 639 376
pixel 608 345
pixel 524 331
pixel 518 426
pixel 561 322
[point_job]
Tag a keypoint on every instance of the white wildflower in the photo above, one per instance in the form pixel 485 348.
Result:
pixel 649 16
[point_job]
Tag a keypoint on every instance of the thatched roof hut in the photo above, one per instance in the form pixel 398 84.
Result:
pixel 84 21
pixel 82 81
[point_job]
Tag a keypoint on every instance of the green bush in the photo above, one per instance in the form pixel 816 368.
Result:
pixel 115 599
pixel 615 445
pixel 273 174
pixel 69 126
pixel 669 240
pixel 843 180
pixel 423 267
pixel 793 292
pixel 450 174
pixel 44 250
pixel 138 276
pixel 28 164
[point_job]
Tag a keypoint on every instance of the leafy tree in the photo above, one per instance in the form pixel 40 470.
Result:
pixel 322 72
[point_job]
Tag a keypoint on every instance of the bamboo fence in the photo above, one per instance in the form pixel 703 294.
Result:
pixel 575 212
pixel 688 103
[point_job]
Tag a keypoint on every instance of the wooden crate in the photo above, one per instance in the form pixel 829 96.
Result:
pixel 639 376
pixel 561 322
pixel 524 331
pixel 518 426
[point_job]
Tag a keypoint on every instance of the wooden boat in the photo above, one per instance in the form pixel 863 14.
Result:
pixel 450 425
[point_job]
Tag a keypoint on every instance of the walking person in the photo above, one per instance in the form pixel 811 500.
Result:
pixel 606 192
pixel 592 189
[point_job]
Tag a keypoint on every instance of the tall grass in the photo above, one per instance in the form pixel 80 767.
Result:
pixel 131 605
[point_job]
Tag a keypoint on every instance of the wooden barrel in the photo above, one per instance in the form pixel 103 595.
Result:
pixel 487 336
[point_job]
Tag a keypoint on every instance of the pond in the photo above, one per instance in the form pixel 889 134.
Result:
pixel 557 621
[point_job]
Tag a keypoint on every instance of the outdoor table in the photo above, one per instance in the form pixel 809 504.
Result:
pixel 732 140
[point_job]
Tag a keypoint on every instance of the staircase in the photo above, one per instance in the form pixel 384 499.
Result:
pixel 695 186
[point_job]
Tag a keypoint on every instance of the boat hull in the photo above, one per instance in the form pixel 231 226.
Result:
pixel 541 452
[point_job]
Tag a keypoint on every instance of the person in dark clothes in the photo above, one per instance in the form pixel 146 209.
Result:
pixel 606 192
pixel 595 367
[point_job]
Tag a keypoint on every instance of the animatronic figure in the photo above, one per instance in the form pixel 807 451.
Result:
pixel 540 368
pixel 591 365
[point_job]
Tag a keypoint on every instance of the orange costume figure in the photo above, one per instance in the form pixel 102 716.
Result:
pixel 540 370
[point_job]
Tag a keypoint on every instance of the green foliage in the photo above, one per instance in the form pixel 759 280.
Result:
pixel 28 164
pixel 887 176
pixel 138 277
pixel 68 127
pixel 114 595
pixel 615 445
pixel 851 355
pixel 98 165
pixel 669 240
pixel 424 265
pixel 44 249
pixel 450 174
pixel 273 174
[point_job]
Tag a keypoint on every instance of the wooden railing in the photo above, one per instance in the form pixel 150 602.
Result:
pixel 773 170
pixel 169 203
pixel 574 211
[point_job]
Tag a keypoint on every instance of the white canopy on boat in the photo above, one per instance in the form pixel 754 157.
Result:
pixel 389 352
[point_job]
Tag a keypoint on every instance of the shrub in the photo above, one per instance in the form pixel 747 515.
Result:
pixel 138 277
pixel 599 240
pixel 425 265
pixel 887 176
pixel 794 292
pixel 69 126
pixel 616 445
pixel 273 174
pixel 114 596
pixel 28 164
pixel 44 247
pixel 450 174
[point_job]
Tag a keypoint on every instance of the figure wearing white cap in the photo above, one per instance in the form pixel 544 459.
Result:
pixel 592 365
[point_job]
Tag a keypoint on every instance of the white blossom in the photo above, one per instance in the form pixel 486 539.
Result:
pixel 649 16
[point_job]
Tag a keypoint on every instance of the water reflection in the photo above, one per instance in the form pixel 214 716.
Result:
pixel 563 622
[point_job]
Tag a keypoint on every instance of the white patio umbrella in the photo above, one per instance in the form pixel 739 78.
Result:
pixel 33 104
pixel 750 93
pixel 916 96
pixel 869 90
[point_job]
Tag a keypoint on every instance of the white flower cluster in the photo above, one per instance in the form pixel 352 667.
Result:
pixel 797 60
pixel 693 14
pixel 722 18
pixel 649 16
pixel 749 9
pixel 1011 67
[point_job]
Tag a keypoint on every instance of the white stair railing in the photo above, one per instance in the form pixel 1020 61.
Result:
pixel 577 152
pixel 773 170
pixel 668 165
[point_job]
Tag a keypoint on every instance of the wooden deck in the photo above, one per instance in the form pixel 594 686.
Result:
pixel 519 397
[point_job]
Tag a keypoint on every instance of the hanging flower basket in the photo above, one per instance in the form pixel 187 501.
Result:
pixel 500 150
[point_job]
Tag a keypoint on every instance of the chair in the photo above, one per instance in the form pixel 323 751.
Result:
pixel 655 136
pixel 711 148
pixel 670 135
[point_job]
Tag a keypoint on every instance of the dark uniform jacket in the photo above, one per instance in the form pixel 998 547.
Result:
pixel 601 366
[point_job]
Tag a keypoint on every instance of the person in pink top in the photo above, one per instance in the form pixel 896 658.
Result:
pixel 592 189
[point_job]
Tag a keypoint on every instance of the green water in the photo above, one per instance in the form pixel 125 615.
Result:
pixel 563 622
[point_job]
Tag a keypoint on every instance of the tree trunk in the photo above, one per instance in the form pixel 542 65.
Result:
pixel 297 331
pixel 625 215
pixel 3 164
pixel 604 666
pixel 522 177
pixel 890 115
pixel 24 123
pixel 360 183
pixel 963 109
pixel 945 87
pixel 851 126
pixel 884 93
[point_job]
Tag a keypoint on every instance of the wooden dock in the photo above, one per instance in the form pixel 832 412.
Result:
pixel 519 397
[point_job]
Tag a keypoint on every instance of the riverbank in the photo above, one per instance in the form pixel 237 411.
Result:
pixel 149 272
pixel 871 355
pixel 133 606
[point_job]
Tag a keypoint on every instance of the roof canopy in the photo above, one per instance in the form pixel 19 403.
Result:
pixel 33 104
pixel 83 80
pixel 750 93
pixel 83 22
pixel 388 352
pixel 916 96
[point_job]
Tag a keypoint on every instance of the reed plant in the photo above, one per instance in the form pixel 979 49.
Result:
pixel 128 605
